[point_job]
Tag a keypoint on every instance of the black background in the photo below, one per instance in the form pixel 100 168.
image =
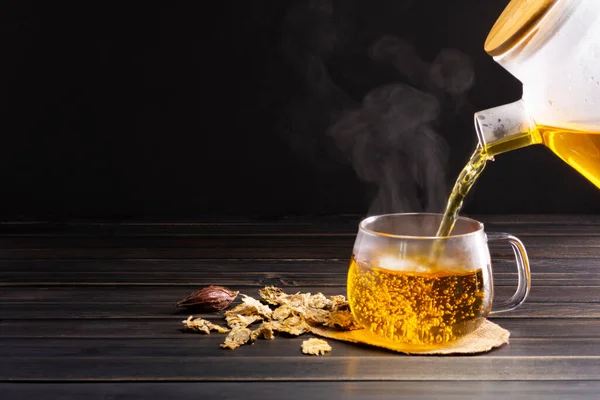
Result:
pixel 192 109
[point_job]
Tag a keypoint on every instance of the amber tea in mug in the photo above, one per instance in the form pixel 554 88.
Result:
pixel 408 286
pixel 417 307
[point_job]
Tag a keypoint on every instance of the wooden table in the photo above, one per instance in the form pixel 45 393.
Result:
pixel 87 311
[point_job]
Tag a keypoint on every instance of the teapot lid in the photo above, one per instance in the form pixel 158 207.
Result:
pixel 518 20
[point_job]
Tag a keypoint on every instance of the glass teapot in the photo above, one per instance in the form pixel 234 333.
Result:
pixel 553 48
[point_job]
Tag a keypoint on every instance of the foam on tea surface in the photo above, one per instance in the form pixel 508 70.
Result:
pixel 419 264
pixel 416 302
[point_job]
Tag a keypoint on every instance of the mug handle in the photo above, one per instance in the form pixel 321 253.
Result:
pixel 523 271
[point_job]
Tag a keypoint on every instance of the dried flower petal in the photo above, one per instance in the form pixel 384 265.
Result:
pixel 202 325
pixel 317 316
pixel 319 301
pixel 338 299
pixel 297 300
pixel 265 330
pixel 271 294
pixel 342 320
pixel 281 313
pixel 250 306
pixel 210 298
pixel 236 338
pixel 315 347
pixel 241 321
pixel 294 325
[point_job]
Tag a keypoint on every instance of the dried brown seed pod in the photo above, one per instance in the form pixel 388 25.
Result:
pixel 209 298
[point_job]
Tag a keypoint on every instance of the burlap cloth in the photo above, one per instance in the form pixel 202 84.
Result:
pixel 485 338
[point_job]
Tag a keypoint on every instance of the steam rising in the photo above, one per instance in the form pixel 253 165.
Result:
pixel 391 143
pixel 389 136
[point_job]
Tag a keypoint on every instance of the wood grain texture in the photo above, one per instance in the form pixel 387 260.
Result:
pixel 290 224
pixel 247 272
pixel 251 280
pixel 380 390
pixel 170 328
pixel 194 345
pixel 160 310
pixel 62 295
pixel 268 251
pixel 347 227
pixel 301 369
pixel 237 266
pixel 274 246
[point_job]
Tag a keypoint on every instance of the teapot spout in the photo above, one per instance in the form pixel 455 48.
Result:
pixel 504 128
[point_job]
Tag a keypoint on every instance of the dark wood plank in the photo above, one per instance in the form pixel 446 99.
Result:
pixel 291 280
pixel 96 328
pixel 303 369
pixel 545 230
pixel 10 268
pixel 161 310
pixel 216 248
pixel 84 294
pixel 229 225
pixel 314 227
pixel 251 272
pixel 207 242
pixel 187 345
pixel 308 242
pixel 194 345
pixel 381 390
pixel 254 247
pixel 169 327
pixel 306 225
pixel 534 219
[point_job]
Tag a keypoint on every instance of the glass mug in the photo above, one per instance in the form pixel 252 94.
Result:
pixel 410 288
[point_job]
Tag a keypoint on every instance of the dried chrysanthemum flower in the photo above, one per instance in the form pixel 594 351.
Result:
pixel 202 325
pixel 250 306
pixel 319 301
pixel 241 321
pixel 342 320
pixel 282 313
pixel 276 296
pixel 317 316
pixel 265 330
pixel 339 315
pixel 236 338
pixel 294 325
pixel 297 300
pixel 271 294
pixel 315 347
pixel 288 320
pixel 338 299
